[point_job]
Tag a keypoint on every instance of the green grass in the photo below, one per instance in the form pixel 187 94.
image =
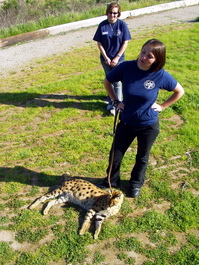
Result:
pixel 21 17
pixel 53 120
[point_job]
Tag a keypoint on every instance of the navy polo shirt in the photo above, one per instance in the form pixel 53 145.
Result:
pixel 112 36
pixel 140 90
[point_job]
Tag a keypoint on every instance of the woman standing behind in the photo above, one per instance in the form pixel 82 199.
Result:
pixel 141 81
pixel 112 38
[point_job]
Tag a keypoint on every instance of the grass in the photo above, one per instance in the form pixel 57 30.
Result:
pixel 17 17
pixel 53 120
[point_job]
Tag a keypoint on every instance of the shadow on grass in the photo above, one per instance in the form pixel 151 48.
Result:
pixel 26 176
pixel 24 99
pixel 29 177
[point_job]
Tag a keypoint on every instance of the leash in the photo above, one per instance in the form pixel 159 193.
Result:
pixel 112 149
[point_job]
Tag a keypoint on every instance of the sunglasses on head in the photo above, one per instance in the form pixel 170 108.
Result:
pixel 114 13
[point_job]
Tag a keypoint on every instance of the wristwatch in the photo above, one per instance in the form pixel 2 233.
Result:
pixel 116 102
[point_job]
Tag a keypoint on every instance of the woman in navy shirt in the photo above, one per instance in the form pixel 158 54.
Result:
pixel 141 81
pixel 112 37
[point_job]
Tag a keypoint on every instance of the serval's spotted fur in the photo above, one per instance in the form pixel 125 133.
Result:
pixel 99 203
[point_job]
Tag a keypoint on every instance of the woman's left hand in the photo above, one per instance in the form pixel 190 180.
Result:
pixel 157 107
pixel 114 62
pixel 120 106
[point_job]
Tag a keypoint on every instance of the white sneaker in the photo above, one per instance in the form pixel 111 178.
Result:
pixel 112 111
pixel 110 107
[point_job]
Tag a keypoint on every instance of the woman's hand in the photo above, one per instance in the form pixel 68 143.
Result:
pixel 114 62
pixel 119 105
pixel 157 107
pixel 178 92
pixel 108 61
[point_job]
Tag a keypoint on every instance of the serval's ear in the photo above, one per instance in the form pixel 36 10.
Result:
pixel 67 176
pixel 116 197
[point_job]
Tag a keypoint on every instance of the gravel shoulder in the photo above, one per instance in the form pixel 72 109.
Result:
pixel 19 56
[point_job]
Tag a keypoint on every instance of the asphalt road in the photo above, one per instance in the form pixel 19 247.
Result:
pixel 19 56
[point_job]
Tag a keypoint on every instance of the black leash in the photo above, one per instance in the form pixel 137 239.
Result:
pixel 112 149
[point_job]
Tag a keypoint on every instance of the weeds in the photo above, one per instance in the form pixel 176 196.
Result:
pixel 98 258
pixel 128 244
pixel 6 253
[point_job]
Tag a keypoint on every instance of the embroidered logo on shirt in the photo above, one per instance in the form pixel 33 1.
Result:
pixel 149 84
pixel 117 32
pixel 105 33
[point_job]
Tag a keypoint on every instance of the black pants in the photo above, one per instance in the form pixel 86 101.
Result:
pixel 124 136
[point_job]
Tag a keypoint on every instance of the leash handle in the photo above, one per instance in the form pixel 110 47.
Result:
pixel 112 149
pixel 115 121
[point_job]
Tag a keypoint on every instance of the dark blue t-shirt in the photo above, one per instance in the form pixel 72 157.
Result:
pixel 140 90
pixel 112 36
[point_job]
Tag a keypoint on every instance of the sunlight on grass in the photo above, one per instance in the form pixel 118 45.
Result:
pixel 54 120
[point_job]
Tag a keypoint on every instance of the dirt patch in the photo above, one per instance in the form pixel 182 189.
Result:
pixel 9 237
pixel 177 121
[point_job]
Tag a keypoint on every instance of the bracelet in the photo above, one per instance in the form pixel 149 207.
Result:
pixel 118 55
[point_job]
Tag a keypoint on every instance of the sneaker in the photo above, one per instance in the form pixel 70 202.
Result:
pixel 112 111
pixel 109 106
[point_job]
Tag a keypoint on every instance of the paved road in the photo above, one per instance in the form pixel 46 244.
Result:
pixel 19 56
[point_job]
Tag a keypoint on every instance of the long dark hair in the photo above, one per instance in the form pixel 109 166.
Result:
pixel 159 50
